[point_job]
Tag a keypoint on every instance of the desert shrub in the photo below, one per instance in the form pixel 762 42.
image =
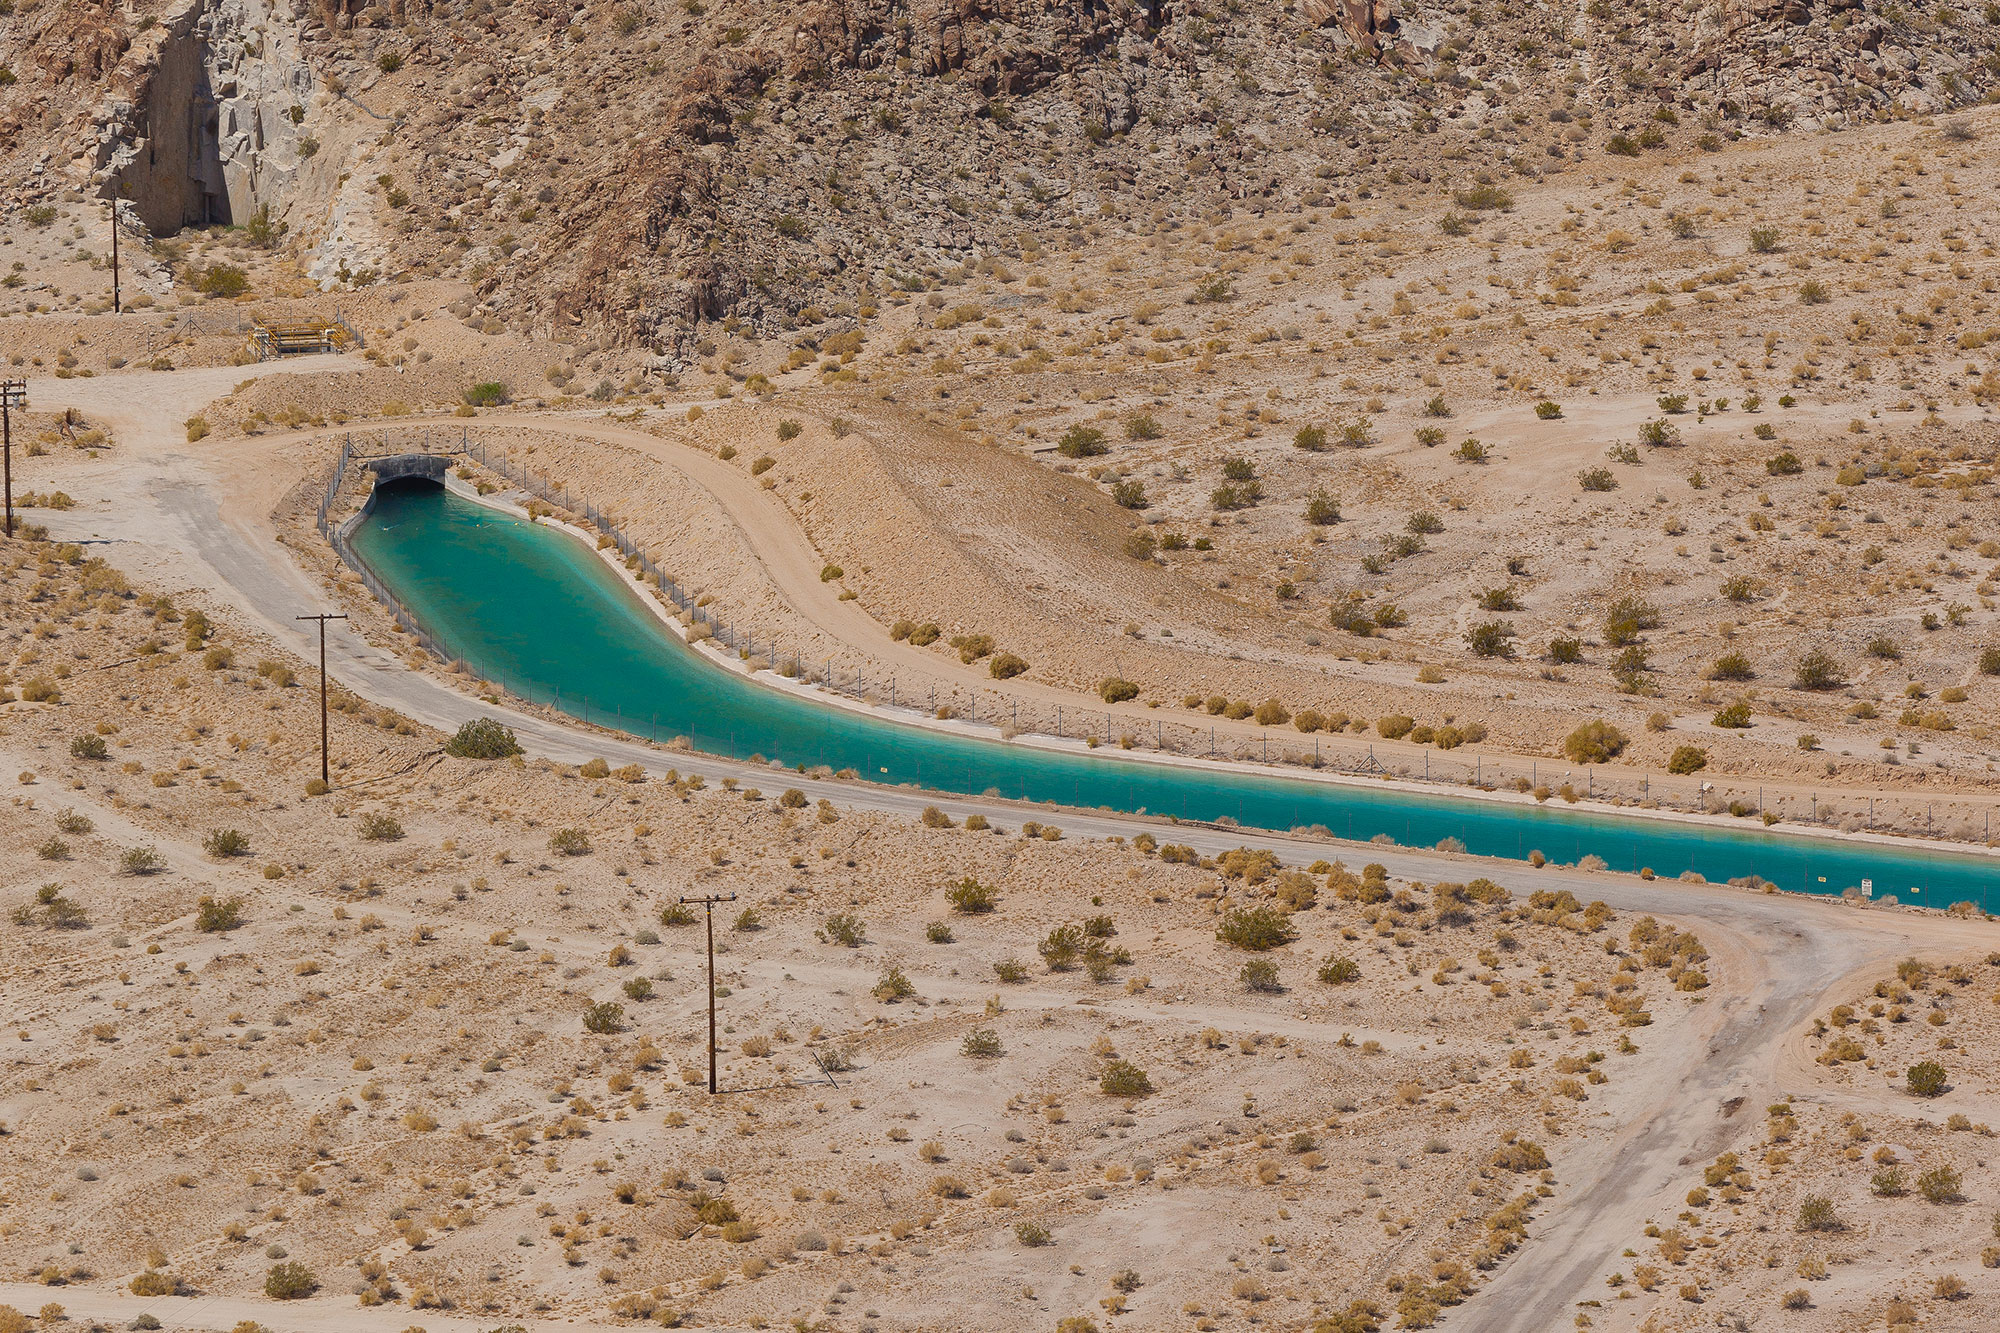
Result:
pixel 604 1017
pixel 1322 510
pixel 1940 1184
pixel 1006 666
pixel 1816 1213
pixel 1659 433
pixel 677 914
pixel 1061 947
pixel 215 915
pixel 1595 742
pixel 1143 426
pixel 844 928
pixel 290 1282
pixel 1339 970
pixel 1129 494
pixel 1687 759
pixel 141 861
pixel 1257 929
pixel 375 826
pixel 1491 638
pixel 1081 442
pixel 1261 975
pixel 1312 439
pixel 483 738
pixel 1116 691
pixel 788 429
pixel 226 842
pixel 893 986
pixel 570 842
pixel 1734 717
pixel 637 989
pixel 1031 1234
pixel 1548 411
pixel 1122 1078
pixel 982 1044
pixel 224 280
pixel 491 393
pixel 969 897
pixel 1926 1078
pixel 1817 670
pixel 1786 464
pixel 87 746
pixel 1596 479
pixel 1763 240
pixel 1011 971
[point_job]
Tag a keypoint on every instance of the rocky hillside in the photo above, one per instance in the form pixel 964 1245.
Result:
pixel 632 168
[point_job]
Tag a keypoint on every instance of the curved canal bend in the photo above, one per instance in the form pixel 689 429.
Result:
pixel 533 609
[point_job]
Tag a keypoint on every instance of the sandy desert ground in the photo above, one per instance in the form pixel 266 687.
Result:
pixel 427 1050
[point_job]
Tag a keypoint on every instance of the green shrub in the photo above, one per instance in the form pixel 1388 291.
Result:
pixel 1925 1079
pixel 1142 426
pixel 1130 494
pixel 1122 1078
pixel 604 1017
pixel 1256 928
pixel 982 1044
pixel 88 746
pixel 378 827
pixel 1595 742
pixel 1115 691
pixel 1261 975
pixel 1061 947
pixel 969 897
pixel 1339 970
pixel 1082 441
pixel 224 280
pixel 1031 1234
pixel 226 842
pixel 1816 1214
pixel 1548 411
pixel 1491 638
pixel 1941 1184
pixel 570 842
pixel 1763 240
pixel 1786 464
pixel 1006 666
pixel 141 861
pixel 1688 759
pixel 1011 970
pixel 218 915
pixel 1817 670
pixel 1735 717
pixel 788 429
pixel 1312 439
pixel 1596 479
pixel 638 988
pixel 893 986
pixel 1322 510
pixel 483 738
pixel 844 928
pixel 490 393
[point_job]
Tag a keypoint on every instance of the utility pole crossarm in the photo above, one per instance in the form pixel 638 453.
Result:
pixel 707 903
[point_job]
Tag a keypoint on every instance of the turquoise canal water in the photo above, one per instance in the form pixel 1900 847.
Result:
pixel 534 609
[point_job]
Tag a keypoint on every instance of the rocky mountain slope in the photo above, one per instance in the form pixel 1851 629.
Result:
pixel 631 169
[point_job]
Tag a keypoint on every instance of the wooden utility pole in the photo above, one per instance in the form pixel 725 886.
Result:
pixel 117 303
pixel 708 906
pixel 322 619
pixel 13 394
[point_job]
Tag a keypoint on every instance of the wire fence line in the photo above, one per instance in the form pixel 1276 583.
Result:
pixel 1142 729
